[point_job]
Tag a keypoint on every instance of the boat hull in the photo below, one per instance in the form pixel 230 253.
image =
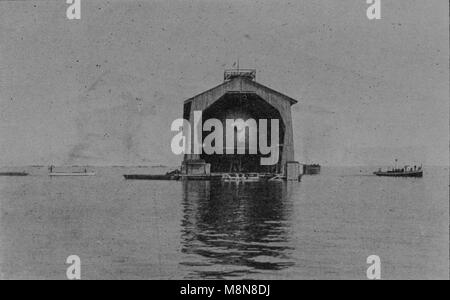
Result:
pixel 151 177
pixel 13 174
pixel 399 174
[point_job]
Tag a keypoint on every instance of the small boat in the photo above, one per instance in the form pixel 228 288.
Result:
pixel 173 175
pixel 13 174
pixel 55 174
pixel 406 171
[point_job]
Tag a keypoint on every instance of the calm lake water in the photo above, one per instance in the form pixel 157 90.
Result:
pixel 322 228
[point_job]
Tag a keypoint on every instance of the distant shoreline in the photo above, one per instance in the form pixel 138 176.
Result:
pixel 177 166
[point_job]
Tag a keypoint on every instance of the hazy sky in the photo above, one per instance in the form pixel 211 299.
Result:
pixel 104 90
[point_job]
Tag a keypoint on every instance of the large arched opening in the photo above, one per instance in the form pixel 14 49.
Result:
pixel 245 106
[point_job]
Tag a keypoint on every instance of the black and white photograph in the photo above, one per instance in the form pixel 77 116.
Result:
pixel 224 145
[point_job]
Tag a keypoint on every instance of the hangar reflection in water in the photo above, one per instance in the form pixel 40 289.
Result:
pixel 233 230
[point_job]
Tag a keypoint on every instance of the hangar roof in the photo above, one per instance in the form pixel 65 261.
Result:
pixel 242 84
